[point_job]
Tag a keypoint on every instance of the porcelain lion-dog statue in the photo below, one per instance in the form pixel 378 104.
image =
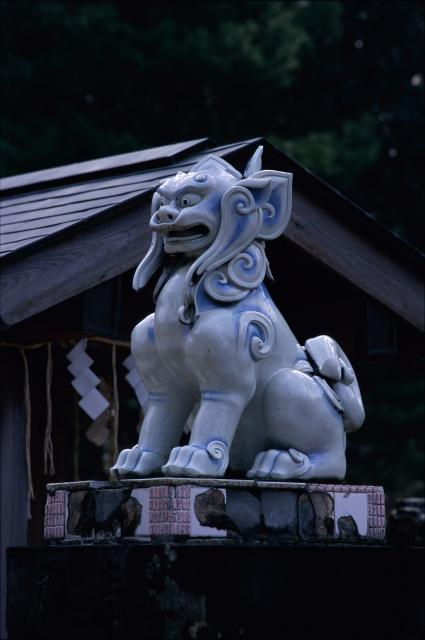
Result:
pixel 218 350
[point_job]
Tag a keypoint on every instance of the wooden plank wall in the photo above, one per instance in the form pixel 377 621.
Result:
pixel 80 261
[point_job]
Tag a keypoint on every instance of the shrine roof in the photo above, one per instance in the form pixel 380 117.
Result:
pixel 42 210
pixel 39 204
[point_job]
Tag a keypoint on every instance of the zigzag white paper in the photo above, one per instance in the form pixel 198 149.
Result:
pixel 85 381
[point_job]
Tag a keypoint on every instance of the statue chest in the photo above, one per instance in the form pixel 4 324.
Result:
pixel 171 334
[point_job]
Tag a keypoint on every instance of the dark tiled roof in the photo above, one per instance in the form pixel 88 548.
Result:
pixel 38 205
pixel 125 161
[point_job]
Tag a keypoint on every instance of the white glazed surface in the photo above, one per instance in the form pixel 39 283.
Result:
pixel 265 404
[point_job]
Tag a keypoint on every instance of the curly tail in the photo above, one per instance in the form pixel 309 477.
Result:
pixel 332 363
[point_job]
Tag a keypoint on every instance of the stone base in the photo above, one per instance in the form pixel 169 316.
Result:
pixel 167 509
pixel 210 591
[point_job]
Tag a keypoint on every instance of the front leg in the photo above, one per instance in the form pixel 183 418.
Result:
pixel 168 409
pixel 226 378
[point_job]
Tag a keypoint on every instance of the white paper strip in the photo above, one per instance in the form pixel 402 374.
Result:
pixel 80 364
pixel 85 382
pixel 191 419
pixel 93 404
pixel 129 362
pixel 77 350
pixel 98 431
pixel 133 378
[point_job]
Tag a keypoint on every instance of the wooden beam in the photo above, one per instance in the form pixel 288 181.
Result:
pixel 76 262
pixel 325 236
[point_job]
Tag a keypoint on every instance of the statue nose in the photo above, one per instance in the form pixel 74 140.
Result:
pixel 165 215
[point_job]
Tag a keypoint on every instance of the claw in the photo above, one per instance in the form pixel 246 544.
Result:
pixel 257 464
pixel 136 462
pixel 296 456
pixel 280 465
pixel 196 461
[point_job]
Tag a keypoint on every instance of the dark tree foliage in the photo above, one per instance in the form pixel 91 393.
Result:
pixel 338 85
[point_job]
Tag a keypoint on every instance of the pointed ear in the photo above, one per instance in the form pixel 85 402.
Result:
pixel 254 165
pixel 272 192
pixel 150 263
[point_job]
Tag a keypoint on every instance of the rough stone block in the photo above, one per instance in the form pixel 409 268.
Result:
pixel 280 512
pixel 347 528
pixel 244 510
pixel 306 517
pixel 131 516
pixel 209 511
pixel 108 503
pixel 324 517
pixel 351 514
pixel 80 514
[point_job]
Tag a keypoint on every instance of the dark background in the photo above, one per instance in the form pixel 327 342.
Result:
pixel 337 85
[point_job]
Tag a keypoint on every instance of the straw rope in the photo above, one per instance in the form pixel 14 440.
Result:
pixel 16 345
pixel 49 465
pixel 116 404
pixel 27 396
pixel 76 452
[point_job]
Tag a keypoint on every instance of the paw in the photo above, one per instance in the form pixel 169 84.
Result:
pixel 280 465
pixel 196 461
pixel 137 463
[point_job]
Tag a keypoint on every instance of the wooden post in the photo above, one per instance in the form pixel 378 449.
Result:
pixel 13 485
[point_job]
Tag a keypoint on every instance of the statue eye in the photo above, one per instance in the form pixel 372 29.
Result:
pixel 161 202
pixel 190 199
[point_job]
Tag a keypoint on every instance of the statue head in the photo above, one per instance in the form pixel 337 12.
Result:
pixel 219 220
pixel 186 209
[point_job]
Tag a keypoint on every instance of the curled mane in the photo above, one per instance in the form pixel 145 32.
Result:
pixel 253 210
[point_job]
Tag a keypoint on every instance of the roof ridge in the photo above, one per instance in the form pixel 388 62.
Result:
pixel 106 165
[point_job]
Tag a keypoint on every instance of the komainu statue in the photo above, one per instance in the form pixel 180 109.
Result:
pixel 218 351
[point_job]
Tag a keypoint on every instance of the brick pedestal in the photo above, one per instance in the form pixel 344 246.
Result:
pixel 181 509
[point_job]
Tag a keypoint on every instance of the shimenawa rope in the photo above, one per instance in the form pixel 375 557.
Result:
pixel 49 465
pixel 116 405
pixel 28 426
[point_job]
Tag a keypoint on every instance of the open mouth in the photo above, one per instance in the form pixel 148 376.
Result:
pixel 188 234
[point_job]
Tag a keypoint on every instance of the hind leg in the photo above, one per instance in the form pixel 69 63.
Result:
pixel 306 431
pixel 294 465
